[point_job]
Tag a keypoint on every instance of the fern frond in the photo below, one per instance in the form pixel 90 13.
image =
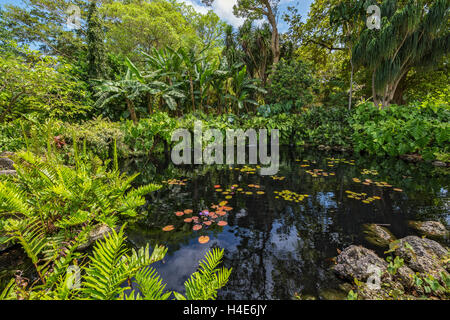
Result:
pixel 107 270
pixel 144 190
pixel 13 199
pixel 150 285
pixel 203 284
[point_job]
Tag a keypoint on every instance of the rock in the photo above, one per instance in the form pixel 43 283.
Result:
pixel 439 164
pixel 98 233
pixel 429 228
pixel 413 157
pixel 356 262
pixel 8 172
pixel 6 163
pixel 333 294
pixel 422 255
pixel 377 235
pixel 323 147
pixel 405 276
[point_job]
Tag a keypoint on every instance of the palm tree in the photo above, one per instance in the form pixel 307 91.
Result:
pixel 414 34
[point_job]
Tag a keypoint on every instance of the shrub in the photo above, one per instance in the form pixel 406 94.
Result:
pixel 398 130
pixel 291 82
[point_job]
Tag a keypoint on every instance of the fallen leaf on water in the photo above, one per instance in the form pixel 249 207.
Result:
pixel 187 211
pixel 208 223
pixel 217 186
pixel 222 223
pixel 398 189
pixel 203 239
pixel 179 213
pixel 196 227
pixel 223 203
pixel 188 220
pixel 227 208
pixel 168 228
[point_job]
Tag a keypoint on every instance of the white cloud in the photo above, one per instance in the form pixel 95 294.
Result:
pixel 223 8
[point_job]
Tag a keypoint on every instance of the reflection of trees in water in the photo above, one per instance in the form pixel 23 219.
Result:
pixel 284 247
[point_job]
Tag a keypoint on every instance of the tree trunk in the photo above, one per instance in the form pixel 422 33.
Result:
pixel 275 42
pixel 398 94
pixel 191 83
pixel 132 111
pixel 351 82
pixel 149 104
pixel 376 102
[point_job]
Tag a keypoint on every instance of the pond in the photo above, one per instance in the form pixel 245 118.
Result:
pixel 280 234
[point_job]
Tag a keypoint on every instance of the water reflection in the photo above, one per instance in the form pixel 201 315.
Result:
pixel 278 247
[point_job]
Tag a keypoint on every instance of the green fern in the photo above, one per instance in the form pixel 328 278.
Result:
pixel 110 266
pixel 150 286
pixel 203 284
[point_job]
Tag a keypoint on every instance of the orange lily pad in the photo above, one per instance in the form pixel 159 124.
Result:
pixel 222 223
pixel 203 239
pixel 227 208
pixel 208 223
pixel 188 220
pixel 187 211
pixel 179 213
pixel 168 228
pixel 197 227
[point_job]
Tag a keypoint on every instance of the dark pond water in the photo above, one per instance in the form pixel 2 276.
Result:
pixel 278 246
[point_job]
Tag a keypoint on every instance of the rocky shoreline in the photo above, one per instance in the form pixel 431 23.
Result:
pixel 416 258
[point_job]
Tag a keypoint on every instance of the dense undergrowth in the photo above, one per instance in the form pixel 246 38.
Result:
pixel 51 210
pixel 393 131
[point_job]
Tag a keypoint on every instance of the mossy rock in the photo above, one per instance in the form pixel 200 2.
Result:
pixel 431 229
pixel 378 235
pixel 333 294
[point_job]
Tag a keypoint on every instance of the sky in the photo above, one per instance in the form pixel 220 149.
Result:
pixel 224 9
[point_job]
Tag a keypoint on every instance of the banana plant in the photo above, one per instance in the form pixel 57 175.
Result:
pixel 155 89
pixel 242 89
pixel 127 88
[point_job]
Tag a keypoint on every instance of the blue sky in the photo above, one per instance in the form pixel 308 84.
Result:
pixel 224 9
